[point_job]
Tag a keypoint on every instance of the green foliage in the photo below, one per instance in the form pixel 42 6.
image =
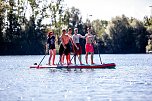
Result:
pixel 27 36
pixel 140 35
pixel 22 35
pixel 149 30
pixel 99 26
pixel 149 46
pixel 147 21
pixel 119 33
pixel 126 36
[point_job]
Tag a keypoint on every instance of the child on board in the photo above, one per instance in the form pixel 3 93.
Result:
pixel 89 45
pixel 78 51
pixel 51 47
pixel 71 44
pixel 65 47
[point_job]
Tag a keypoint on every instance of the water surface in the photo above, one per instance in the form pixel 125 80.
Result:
pixel 130 81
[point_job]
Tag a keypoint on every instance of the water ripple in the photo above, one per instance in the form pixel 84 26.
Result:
pixel 131 80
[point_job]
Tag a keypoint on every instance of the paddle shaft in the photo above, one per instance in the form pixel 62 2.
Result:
pixel 98 50
pixel 99 54
pixel 72 57
pixel 42 60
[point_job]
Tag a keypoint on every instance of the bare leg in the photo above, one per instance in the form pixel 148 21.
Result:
pixel 75 59
pixel 68 59
pixel 92 58
pixel 79 57
pixel 54 53
pixel 86 57
pixel 50 52
pixel 62 59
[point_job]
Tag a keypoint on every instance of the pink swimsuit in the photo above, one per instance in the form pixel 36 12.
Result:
pixel 89 47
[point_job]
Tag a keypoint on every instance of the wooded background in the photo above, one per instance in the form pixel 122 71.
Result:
pixel 22 31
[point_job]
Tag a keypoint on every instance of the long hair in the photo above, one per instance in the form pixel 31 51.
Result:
pixel 49 34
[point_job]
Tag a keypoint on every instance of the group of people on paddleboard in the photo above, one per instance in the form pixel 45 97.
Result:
pixel 70 44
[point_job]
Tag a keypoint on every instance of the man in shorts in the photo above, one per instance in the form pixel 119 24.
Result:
pixel 78 51
pixel 89 45
pixel 65 47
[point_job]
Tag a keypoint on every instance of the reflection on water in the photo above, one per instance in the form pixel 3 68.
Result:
pixel 131 80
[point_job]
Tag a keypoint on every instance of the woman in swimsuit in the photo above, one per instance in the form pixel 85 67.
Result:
pixel 51 46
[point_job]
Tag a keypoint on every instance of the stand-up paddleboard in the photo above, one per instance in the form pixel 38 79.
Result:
pixel 94 66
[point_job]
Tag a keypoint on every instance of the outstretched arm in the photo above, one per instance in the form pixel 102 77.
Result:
pixel 83 37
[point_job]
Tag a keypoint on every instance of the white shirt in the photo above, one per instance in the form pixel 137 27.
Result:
pixel 76 38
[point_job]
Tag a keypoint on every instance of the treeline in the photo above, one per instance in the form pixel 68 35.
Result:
pixel 126 35
pixel 23 29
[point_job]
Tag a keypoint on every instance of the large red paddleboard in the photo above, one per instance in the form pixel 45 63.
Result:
pixel 94 66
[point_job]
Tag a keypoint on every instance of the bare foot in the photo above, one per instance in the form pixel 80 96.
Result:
pixel 61 63
pixel 92 63
pixel 48 64
pixel 70 63
pixel 81 64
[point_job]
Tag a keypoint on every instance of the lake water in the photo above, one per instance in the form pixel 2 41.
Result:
pixel 130 81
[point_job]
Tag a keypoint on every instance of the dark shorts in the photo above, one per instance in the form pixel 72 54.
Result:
pixel 71 47
pixel 64 51
pixel 77 51
pixel 52 46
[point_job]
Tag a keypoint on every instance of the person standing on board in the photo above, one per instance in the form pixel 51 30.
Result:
pixel 51 46
pixel 89 45
pixel 71 49
pixel 78 51
pixel 70 32
pixel 65 47
pixel 71 44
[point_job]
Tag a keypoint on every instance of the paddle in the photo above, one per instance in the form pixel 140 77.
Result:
pixel 99 53
pixel 72 57
pixel 41 60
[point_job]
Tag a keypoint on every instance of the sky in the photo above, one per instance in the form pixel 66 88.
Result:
pixel 106 9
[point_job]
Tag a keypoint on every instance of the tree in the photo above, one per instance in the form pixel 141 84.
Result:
pixel 99 26
pixel 3 7
pixel 120 33
pixel 140 36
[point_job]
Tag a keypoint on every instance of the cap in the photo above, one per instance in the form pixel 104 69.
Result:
pixel 63 29
pixel 75 29
pixel 69 29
